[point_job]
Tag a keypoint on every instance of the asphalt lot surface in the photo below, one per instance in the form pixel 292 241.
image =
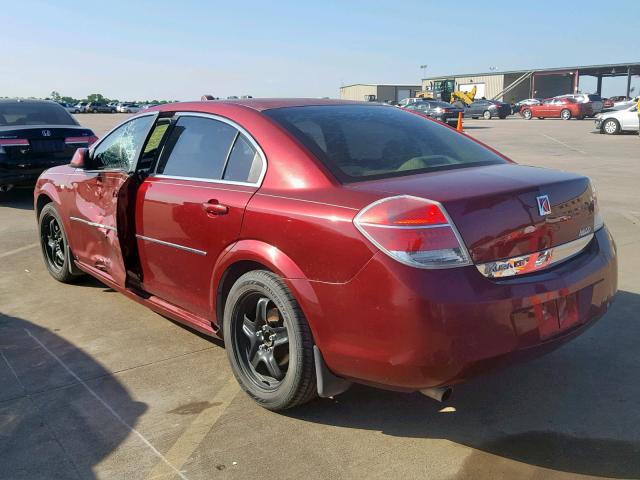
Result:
pixel 93 385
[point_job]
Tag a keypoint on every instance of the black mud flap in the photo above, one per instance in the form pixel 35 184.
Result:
pixel 328 384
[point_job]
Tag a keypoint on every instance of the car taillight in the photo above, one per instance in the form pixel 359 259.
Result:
pixel 88 140
pixel 414 231
pixel 598 221
pixel 12 142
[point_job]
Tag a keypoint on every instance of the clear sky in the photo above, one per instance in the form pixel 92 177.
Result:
pixel 181 49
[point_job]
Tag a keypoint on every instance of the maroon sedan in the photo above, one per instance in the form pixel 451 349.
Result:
pixel 330 242
pixel 564 108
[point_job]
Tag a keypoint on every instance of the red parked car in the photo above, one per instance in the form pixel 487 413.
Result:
pixel 330 242
pixel 565 108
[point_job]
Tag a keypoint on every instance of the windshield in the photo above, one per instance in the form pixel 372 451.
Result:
pixel 362 142
pixel 36 113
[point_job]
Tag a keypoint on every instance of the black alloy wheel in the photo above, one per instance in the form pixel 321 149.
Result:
pixel 263 341
pixel 269 343
pixel 54 243
pixel 55 249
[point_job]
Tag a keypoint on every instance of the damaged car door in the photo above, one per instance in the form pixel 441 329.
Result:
pixel 102 190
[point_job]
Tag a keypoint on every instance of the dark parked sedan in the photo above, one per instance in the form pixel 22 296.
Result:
pixel 36 135
pixel 487 109
pixel 441 111
pixel 330 242
pixel 99 107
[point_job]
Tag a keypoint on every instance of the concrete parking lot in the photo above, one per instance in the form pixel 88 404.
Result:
pixel 93 385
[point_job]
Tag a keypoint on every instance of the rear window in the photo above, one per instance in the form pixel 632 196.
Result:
pixel 19 113
pixel 363 142
pixel 595 98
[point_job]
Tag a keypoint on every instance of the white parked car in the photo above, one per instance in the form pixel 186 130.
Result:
pixel 596 100
pixel 616 121
pixel 128 108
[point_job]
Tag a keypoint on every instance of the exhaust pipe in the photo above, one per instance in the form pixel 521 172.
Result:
pixel 440 394
pixel 5 188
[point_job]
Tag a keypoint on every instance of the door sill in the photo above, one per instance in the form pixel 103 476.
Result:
pixel 156 304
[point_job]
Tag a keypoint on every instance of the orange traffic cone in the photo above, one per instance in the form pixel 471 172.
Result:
pixel 459 127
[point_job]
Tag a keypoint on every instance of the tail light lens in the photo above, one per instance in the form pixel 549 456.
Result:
pixel 414 231
pixel 88 140
pixel 598 222
pixel 12 142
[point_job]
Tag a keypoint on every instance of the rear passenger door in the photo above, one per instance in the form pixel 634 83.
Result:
pixel 191 208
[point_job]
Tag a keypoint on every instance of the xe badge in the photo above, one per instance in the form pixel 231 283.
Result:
pixel 544 206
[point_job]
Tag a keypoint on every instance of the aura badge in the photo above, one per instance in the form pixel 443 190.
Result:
pixel 544 206
pixel 46 133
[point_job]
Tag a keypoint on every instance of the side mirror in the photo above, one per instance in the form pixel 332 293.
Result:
pixel 80 159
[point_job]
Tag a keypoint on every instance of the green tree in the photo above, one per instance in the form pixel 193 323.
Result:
pixel 55 96
pixel 96 97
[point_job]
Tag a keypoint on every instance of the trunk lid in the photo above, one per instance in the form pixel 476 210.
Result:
pixel 495 208
pixel 32 146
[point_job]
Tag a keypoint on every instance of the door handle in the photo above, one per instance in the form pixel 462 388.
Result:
pixel 212 207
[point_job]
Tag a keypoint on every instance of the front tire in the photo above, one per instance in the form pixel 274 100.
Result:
pixel 565 114
pixel 526 114
pixel 611 126
pixel 54 245
pixel 269 343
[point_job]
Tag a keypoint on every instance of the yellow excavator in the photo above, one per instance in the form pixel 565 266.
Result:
pixel 444 90
pixel 464 97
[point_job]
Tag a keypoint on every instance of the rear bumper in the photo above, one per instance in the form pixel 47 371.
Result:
pixel 27 173
pixel 404 328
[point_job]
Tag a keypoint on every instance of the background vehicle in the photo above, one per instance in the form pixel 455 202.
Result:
pixel 461 99
pixel 623 104
pixel 36 135
pixel 487 109
pixel 343 271
pixel 129 108
pixel 595 102
pixel 99 107
pixel 441 111
pixel 82 107
pixel 616 121
pixel 610 102
pixel 69 108
pixel 528 101
pixel 559 107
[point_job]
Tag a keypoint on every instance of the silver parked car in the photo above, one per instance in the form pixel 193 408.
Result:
pixel 616 121
pixel 129 108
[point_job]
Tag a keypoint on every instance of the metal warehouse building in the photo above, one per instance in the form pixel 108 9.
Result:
pixel 378 92
pixel 515 85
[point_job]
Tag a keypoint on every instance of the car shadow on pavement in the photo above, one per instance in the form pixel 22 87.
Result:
pixel 20 198
pixel 52 425
pixel 575 410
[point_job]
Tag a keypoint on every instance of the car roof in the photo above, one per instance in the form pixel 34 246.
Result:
pixel 25 100
pixel 261 104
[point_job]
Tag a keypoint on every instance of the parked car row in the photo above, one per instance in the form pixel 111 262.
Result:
pixel 448 113
pixel 102 107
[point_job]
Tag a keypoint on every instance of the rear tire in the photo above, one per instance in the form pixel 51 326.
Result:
pixel 55 248
pixel 611 127
pixel 486 115
pixel 565 114
pixel 268 341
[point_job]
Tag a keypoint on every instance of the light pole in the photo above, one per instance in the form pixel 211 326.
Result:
pixel 424 69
